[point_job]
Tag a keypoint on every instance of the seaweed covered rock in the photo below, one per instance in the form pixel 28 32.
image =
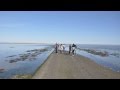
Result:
pixel 95 52
pixel 115 54
pixel 2 70
pixel 28 56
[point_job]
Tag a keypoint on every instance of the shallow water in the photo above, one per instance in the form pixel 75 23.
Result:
pixel 20 67
pixel 110 61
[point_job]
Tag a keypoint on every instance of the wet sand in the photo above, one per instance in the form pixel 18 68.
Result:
pixel 64 66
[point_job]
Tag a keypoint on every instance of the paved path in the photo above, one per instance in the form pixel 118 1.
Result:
pixel 63 66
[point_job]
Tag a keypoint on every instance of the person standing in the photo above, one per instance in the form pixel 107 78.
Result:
pixel 73 49
pixel 70 48
pixel 64 48
pixel 61 48
pixel 56 48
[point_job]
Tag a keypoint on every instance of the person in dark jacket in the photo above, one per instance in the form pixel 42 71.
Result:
pixel 56 48
pixel 70 48
pixel 73 49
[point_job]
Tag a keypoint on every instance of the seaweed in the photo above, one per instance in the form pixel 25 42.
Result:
pixel 115 54
pixel 103 54
pixel 2 70
pixel 11 56
pixel 29 56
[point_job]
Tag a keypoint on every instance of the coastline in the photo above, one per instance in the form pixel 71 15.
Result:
pixel 41 64
pixel 29 76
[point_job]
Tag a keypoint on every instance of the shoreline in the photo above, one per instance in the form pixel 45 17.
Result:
pixel 29 76
pixel 41 65
pixel 29 55
pixel 61 66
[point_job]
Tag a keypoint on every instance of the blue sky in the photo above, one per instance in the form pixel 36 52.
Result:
pixel 83 27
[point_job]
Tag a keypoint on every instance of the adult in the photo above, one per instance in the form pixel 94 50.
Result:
pixel 61 48
pixel 56 48
pixel 70 48
pixel 73 49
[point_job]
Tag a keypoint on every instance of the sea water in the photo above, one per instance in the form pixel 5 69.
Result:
pixel 20 67
pixel 111 61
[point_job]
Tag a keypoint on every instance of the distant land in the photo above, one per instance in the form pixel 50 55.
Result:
pixel 22 43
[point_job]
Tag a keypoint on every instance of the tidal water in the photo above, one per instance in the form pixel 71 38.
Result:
pixel 112 60
pixel 13 51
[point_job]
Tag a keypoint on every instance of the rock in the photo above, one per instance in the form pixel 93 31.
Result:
pixel 11 56
pixel 1 70
pixel 116 54
pixel 31 55
pixel 12 61
pixel 100 53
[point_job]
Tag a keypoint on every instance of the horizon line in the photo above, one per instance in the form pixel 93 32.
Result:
pixel 50 43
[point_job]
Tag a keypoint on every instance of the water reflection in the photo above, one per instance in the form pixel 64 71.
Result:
pixel 111 53
pixel 18 60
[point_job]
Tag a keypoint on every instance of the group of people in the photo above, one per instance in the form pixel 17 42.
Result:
pixel 61 48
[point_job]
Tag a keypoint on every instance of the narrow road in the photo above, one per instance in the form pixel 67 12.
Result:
pixel 64 66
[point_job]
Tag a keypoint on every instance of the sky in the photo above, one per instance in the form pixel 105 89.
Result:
pixel 81 27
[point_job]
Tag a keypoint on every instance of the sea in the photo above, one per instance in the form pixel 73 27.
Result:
pixel 26 67
pixel 111 61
